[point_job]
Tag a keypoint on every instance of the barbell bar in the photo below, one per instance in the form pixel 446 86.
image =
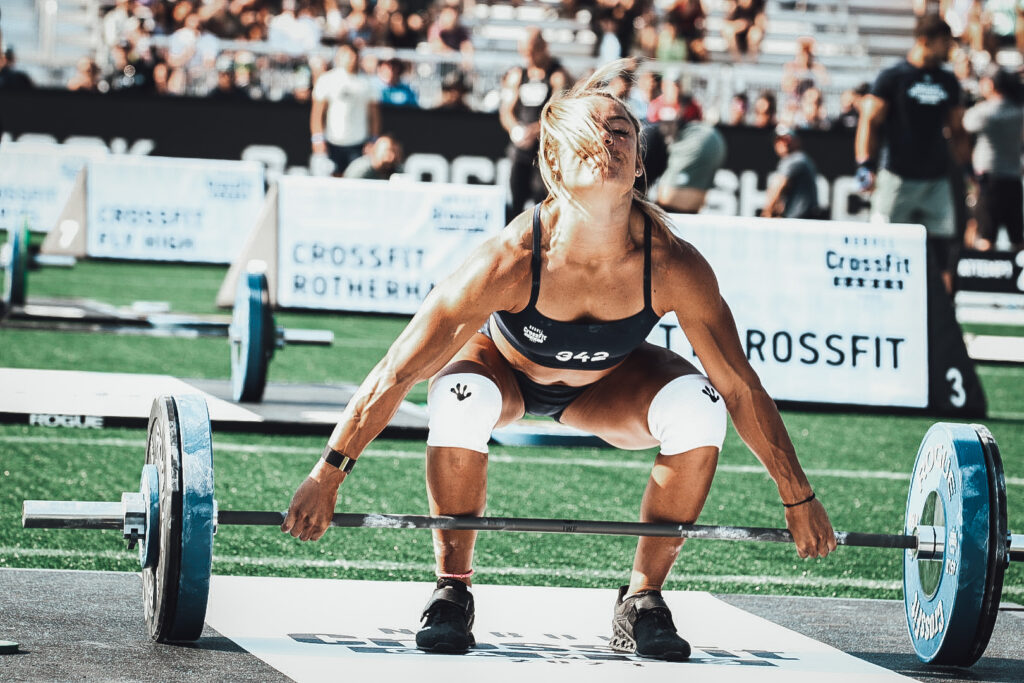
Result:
pixel 956 543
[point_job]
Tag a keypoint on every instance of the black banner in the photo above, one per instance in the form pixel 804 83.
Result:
pixel 209 128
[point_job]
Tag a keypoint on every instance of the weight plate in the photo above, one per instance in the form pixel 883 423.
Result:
pixel 248 336
pixel 998 537
pixel 149 486
pixel 943 598
pixel 17 267
pixel 177 587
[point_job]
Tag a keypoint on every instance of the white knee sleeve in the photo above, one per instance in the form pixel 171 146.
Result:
pixel 463 408
pixel 687 413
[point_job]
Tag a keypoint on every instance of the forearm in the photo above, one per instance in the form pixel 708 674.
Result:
pixel 368 412
pixel 759 424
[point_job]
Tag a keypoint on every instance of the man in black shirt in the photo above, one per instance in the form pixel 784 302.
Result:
pixel 911 106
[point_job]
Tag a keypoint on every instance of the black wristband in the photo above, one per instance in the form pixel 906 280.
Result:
pixel 338 459
pixel 808 499
pixel 869 164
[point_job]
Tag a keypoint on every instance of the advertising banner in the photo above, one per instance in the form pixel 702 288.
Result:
pixel 36 180
pixel 376 246
pixel 161 209
pixel 827 312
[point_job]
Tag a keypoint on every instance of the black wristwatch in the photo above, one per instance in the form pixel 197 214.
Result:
pixel 338 459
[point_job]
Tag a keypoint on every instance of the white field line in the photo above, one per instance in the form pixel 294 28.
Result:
pixel 525 572
pixel 493 457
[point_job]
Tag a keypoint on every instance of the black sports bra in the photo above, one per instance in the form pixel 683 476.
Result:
pixel 576 345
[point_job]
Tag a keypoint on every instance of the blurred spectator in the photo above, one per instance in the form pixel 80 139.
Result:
pixel 345 112
pixel 453 92
pixel 86 76
pixel 849 107
pixel 688 17
pixel 812 114
pixel 803 71
pixel 1005 24
pixel 744 27
pixel 998 123
pixel 793 190
pixel 130 74
pixel 291 33
pixel 10 77
pixel 739 106
pixel 525 91
pixel 671 46
pixel 648 87
pixel 118 22
pixel 623 14
pixel 359 25
pixel 765 110
pixel 226 88
pixel 398 33
pixel 695 153
pixel 393 90
pixel 607 48
pixel 447 34
pixel 667 105
pixel 383 158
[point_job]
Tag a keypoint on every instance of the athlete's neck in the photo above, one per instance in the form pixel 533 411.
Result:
pixel 589 231
pixel 921 57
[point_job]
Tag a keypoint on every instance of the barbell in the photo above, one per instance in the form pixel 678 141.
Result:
pixel 955 542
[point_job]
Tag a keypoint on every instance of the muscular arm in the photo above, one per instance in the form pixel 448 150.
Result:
pixel 959 140
pixel 773 204
pixel 449 316
pixel 707 321
pixel 872 115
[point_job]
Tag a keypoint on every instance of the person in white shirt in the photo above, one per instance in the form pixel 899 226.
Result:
pixel 346 111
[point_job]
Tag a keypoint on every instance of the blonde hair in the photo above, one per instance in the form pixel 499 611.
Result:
pixel 567 121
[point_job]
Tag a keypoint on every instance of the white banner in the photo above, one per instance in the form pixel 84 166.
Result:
pixel 36 180
pixel 370 245
pixel 827 312
pixel 163 209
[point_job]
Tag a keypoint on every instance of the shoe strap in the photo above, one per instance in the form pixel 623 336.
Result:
pixel 460 598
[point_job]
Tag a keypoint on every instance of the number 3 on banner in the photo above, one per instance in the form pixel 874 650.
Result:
pixel 956 381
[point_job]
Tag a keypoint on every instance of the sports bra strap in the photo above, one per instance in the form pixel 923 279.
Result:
pixel 535 260
pixel 647 262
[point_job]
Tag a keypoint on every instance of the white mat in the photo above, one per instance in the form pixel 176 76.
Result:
pixel 331 630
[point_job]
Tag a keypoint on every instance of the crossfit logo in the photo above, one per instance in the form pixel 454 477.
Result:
pixel 710 393
pixel 534 334
pixel 461 392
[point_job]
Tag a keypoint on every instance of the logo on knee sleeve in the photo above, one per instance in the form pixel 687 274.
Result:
pixel 710 393
pixel 461 392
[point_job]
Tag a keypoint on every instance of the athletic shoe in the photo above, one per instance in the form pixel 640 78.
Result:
pixel 643 625
pixel 448 619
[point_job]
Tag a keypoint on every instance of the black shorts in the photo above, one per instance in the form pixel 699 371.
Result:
pixel 343 155
pixel 549 400
pixel 1000 202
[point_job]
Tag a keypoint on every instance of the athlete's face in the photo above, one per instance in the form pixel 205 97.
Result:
pixel 619 138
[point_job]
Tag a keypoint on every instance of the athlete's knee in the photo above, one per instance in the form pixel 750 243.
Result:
pixel 463 409
pixel 687 413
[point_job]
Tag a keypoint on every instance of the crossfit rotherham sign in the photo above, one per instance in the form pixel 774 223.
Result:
pixel 36 181
pixel 827 312
pixel 159 209
pixel 375 246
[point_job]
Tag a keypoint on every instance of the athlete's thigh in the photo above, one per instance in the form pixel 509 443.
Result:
pixel 615 407
pixel 480 356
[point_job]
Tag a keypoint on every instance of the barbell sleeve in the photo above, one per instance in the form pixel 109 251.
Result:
pixel 72 514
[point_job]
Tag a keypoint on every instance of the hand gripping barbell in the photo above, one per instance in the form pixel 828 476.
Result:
pixel 955 541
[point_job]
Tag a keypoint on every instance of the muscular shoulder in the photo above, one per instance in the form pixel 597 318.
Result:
pixel 681 278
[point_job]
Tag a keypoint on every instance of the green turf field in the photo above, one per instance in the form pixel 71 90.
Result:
pixel 859 466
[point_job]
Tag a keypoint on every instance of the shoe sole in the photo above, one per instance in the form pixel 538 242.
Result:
pixel 449 648
pixel 621 642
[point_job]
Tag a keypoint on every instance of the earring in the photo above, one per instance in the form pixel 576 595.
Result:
pixel 639 172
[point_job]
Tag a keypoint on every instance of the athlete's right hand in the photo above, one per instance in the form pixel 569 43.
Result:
pixel 312 507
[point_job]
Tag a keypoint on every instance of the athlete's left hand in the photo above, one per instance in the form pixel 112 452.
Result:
pixel 812 531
